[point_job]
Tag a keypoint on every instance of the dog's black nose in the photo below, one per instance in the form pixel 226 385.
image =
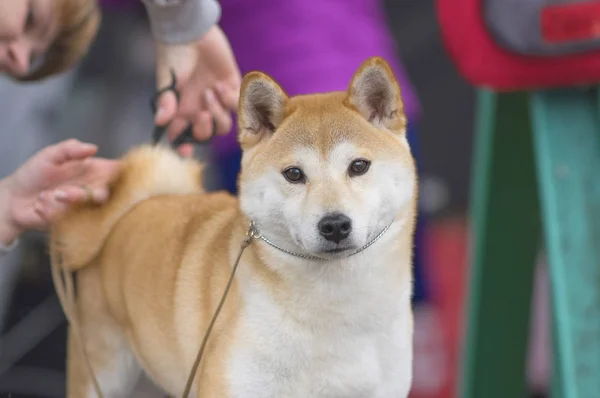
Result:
pixel 335 227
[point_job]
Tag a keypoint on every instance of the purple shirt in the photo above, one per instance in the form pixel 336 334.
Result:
pixel 310 46
pixel 306 45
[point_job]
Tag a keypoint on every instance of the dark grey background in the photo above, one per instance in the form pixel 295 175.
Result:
pixel 447 124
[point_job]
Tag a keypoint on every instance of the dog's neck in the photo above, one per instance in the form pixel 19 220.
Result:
pixel 312 291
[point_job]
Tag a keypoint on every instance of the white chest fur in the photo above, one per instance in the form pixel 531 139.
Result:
pixel 351 338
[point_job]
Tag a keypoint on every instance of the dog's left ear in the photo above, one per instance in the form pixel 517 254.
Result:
pixel 261 108
pixel 374 92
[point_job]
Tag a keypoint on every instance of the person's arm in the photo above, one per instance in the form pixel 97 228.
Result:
pixel 9 234
pixel 191 45
pixel 181 21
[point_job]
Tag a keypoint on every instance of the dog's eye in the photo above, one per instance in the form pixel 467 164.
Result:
pixel 358 167
pixel 294 175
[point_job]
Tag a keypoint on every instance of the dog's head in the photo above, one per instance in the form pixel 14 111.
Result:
pixel 323 174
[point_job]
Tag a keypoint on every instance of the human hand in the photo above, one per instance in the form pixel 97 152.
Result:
pixel 208 80
pixel 51 181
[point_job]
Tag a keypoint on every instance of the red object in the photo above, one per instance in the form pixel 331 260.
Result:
pixel 482 62
pixel 567 22
pixel 448 275
pixel 446 269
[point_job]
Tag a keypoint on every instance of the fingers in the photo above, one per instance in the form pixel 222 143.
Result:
pixel 199 110
pixel 203 127
pixel 186 150
pixel 68 150
pixel 176 127
pixel 166 108
pixel 48 208
pixel 71 195
pixel 93 171
pixel 102 171
pixel 203 124
pixel 221 116
pixel 50 205
pixel 229 95
pixel 93 185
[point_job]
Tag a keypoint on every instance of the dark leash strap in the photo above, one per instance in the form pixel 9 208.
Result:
pixel 192 375
pixel 187 136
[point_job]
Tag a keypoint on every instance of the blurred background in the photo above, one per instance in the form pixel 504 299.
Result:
pixel 106 101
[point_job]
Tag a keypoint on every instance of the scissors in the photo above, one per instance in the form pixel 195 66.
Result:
pixel 187 136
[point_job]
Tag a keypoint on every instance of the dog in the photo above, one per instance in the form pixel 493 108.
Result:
pixel 320 306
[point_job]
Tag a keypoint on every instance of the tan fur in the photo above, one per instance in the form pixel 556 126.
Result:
pixel 84 229
pixel 153 262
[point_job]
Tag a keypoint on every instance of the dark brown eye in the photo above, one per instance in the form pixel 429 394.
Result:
pixel 358 167
pixel 293 175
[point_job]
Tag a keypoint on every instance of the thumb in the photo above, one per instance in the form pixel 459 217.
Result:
pixel 166 108
pixel 166 103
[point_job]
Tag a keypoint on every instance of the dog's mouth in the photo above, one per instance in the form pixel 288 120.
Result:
pixel 338 250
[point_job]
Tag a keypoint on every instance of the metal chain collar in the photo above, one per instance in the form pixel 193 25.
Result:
pixel 255 233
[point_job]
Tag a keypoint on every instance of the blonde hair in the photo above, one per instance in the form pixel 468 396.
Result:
pixel 78 22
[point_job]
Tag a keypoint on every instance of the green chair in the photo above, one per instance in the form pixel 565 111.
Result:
pixel 536 169
pixel 536 185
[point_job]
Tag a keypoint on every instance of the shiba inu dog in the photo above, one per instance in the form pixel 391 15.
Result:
pixel 320 306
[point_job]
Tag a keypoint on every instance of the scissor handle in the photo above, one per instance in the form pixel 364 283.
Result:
pixel 187 136
pixel 171 87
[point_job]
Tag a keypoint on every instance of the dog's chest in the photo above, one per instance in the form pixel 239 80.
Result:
pixel 276 358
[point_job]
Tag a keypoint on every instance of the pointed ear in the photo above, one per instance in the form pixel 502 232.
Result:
pixel 261 108
pixel 374 92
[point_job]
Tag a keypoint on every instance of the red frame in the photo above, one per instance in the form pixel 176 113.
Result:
pixel 482 62
pixel 565 22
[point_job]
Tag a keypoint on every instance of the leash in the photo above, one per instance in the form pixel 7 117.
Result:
pixel 250 235
pixel 63 280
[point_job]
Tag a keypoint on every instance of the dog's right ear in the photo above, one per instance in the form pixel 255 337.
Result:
pixel 374 92
pixel 261 108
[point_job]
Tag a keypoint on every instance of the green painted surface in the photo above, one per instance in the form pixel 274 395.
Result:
pixel 567 144
pixel 505 237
